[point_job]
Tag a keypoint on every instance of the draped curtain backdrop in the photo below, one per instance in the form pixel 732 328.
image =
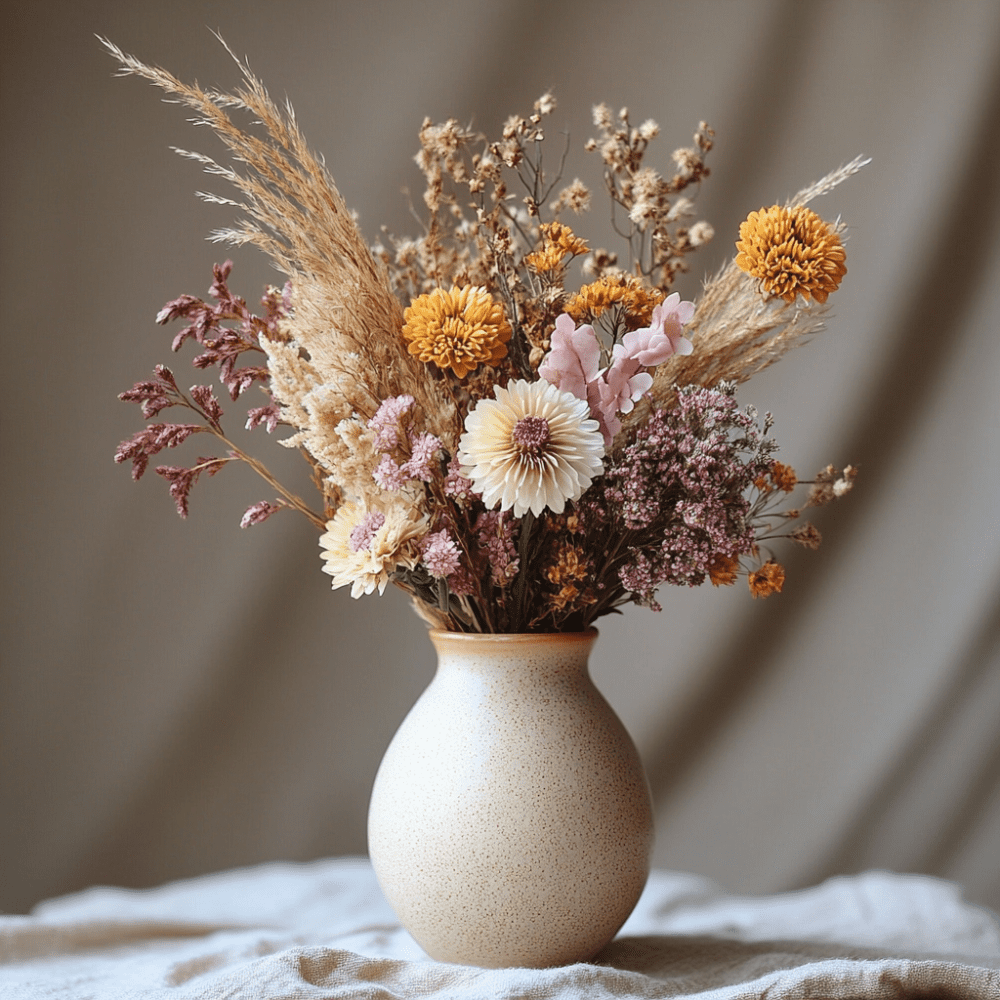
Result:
pixel 184 696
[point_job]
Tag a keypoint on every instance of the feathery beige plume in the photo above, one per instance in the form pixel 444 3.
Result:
pixel 345 315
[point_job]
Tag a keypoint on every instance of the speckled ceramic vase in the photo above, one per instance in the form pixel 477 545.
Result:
pixel 510 822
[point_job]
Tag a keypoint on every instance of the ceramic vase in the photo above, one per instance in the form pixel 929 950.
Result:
pixel 510 821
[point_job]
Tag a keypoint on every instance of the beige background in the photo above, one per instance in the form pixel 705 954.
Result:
pixel 179 697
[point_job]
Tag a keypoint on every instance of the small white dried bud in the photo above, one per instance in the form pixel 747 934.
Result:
pixel 545 104
pixel 700 233
pixel 842 486
pixel 512 126
pixel 649 129
pixel 686 159
pixel 681 209
pixel 576 196
pixel 602 116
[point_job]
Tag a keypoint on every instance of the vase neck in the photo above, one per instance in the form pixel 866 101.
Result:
pixel 532 653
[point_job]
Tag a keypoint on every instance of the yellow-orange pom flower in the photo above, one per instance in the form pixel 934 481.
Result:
pixel 638 300
pixel 791 251
pixel 557 241
pixel 459 329
pixel 767 580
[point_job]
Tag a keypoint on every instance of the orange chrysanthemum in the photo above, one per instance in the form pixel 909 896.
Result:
pixel 558 240
pixel 783 476
pixel 722 570
pixel 637 300
pixel 791 251
pixel 459 329
pixel 767 580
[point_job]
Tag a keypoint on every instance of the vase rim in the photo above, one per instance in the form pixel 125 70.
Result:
pixel 511 638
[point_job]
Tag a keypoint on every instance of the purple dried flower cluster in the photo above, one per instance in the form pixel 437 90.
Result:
pixel 678 492
pixel 364 531
pixel 258 512
pixel 181 479
pixel 457 486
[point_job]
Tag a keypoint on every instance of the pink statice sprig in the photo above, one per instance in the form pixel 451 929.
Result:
pixel 222 346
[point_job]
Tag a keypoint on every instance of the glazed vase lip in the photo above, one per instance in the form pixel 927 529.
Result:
pixel 443 637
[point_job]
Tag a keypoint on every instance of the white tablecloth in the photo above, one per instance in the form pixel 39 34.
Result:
pixel 323 929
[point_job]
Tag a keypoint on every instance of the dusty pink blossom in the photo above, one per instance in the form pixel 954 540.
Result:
pixel 388 474
pixel 260 511
pixel 421 463
pixel 457 486
pixel 495 531
pixel 141 446
pixel 182 480
pixel 364 531
pixel 652 345
pixel 386 421
pixel 267 415
pixel 441 555
pixel 209 405
pixel 574 359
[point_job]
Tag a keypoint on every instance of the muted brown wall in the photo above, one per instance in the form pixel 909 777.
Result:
pixel 182 696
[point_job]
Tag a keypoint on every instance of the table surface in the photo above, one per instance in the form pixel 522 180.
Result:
pixel 323 929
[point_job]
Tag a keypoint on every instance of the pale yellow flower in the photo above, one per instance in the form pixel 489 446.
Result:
pixel 364 546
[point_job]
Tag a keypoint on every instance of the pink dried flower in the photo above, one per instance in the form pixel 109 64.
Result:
pixel 422 462
pixel 495 534
pixel 457 486
pixel 680 488
pixel 364 531
pixel 260 511
pixel 205 398
pixel 386 421
pixel 154 394
pixel 224 344
pixel 462 582
pixel 182 480
pixel 647 348
pixel 574 359
pixel 141 446
pixel 268 415
pixel 441 555
pixel 388 474
pixel 665 336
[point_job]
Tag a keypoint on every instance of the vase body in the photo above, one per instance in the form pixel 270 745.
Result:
pixel 510 821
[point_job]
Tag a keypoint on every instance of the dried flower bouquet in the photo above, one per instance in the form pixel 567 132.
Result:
pixel 516 451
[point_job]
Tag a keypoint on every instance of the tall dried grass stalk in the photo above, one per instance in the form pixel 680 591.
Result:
pixel 346 316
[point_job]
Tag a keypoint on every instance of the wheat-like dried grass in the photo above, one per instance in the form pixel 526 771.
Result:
pixel 346 316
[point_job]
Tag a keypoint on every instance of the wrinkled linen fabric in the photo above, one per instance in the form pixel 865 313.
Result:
pixel 324 929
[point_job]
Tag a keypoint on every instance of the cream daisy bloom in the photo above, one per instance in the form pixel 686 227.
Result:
pixel 532 447
pixel 363 546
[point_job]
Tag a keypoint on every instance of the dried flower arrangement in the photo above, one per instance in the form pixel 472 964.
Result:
pixel 516 454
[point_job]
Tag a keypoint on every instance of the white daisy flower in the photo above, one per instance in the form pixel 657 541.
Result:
pixel 532 447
